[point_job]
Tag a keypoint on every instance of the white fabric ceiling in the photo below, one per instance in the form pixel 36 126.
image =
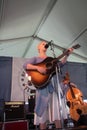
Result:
pixel 24 23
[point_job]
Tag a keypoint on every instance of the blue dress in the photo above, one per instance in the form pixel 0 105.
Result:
pixel 46 103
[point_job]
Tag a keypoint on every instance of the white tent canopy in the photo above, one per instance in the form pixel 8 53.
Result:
pixel 24 23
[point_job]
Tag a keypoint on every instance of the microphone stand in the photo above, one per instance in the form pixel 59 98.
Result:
pixel 52 48
pixel 58 87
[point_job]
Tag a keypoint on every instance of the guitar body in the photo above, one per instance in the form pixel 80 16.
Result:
pixel 38 79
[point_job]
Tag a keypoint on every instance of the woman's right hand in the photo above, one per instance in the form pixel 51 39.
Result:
pixel 42 70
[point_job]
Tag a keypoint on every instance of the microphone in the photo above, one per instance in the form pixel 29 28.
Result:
pixel 49 44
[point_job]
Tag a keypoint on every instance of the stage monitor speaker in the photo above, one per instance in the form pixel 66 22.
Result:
pixel 14 111
pixel 16 125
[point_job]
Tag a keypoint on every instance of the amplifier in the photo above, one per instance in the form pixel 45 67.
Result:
pixel 16 125
pixel 14 111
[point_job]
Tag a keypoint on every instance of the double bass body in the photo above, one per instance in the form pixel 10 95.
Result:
pixel 77 106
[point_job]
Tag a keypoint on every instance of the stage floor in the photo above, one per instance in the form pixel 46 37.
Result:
pixel 26 126
pixel 74 128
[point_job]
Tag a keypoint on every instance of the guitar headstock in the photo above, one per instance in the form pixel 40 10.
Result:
pixel 76 46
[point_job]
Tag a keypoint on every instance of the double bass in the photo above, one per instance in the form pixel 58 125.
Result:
pixel 77 106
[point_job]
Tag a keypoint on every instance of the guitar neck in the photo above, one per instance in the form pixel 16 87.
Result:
pixel 67 52
pixel 62 55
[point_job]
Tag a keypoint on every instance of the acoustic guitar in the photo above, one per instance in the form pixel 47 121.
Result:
pixel 40 80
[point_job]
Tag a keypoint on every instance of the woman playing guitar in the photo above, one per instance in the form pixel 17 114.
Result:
pixel 46 97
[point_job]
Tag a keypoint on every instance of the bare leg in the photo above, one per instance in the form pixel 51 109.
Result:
pixel 57 123
pixel 43 126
